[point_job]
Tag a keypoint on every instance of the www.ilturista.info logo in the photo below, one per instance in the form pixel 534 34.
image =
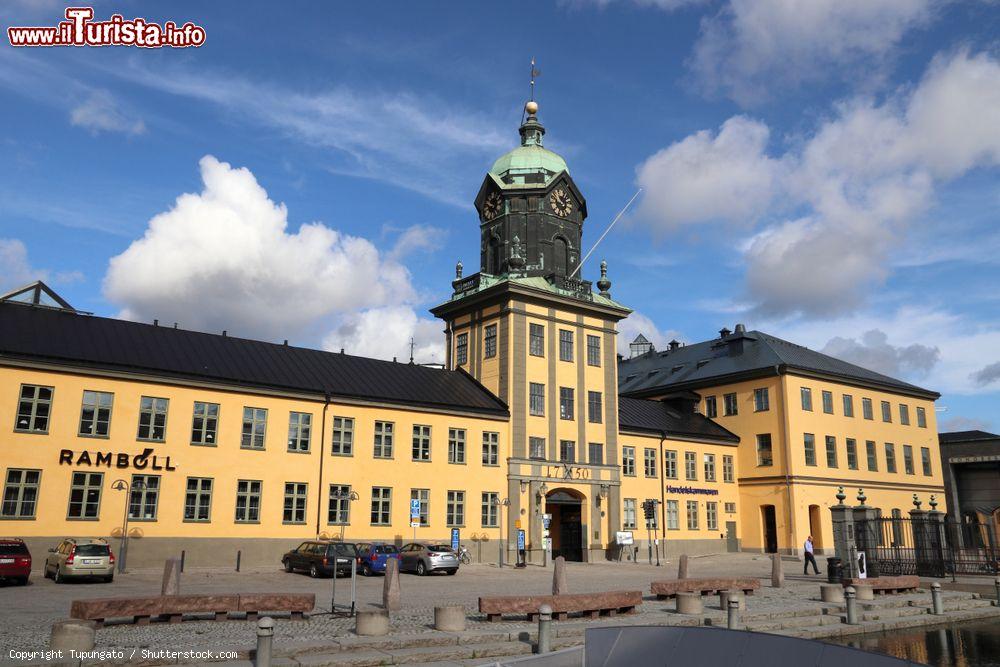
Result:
pixel 79 29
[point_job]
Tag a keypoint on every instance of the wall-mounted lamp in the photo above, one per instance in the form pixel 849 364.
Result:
pixel 524 486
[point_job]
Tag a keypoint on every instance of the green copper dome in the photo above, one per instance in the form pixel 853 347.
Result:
pixel 530 164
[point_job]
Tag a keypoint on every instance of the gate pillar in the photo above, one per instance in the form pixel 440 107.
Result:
pixel 843 530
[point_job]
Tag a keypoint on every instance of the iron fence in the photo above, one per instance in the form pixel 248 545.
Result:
pixel 926 547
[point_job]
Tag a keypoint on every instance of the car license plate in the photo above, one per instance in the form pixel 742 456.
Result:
pixel 91 561
pixel 6 560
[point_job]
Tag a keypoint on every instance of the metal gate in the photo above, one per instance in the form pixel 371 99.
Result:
pixel 927 548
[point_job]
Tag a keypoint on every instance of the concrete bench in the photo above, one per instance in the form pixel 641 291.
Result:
pixel 591 605
pixel 173 607
pixel 670 588
pixel 900 584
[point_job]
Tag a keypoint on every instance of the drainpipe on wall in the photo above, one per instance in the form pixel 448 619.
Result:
pixel 788 462
pixel 322 457
pixel 663 497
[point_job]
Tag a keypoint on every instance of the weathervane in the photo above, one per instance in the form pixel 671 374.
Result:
pixel 534 73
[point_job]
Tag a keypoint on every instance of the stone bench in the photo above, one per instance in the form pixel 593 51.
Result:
pixel 670 588
pixel 173 607
pixel 901 584
pixel 590 605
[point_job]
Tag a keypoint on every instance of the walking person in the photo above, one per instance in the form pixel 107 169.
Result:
pixel 807 551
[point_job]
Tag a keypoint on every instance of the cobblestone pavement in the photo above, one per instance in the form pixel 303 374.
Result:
pixel 28 612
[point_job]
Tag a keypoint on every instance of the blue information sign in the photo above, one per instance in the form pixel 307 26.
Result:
pixel 520 540
pixel 454 540
pixel 414 509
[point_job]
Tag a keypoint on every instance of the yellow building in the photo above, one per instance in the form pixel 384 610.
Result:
pixel 212 444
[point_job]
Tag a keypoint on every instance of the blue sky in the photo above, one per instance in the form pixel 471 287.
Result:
pixel 824 170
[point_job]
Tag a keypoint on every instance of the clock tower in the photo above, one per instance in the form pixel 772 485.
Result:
pixel 536 334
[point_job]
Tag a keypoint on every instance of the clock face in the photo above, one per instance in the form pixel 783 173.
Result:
pixel 492 205
pixel 561 203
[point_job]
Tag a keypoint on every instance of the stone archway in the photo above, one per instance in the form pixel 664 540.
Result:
pixel 567 526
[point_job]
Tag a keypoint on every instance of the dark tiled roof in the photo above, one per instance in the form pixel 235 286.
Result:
pixel 660 417
pixel 63 337
pixel 739 355
pixel 965 436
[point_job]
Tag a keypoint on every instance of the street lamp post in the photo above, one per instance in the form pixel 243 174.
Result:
pixel 122 485
pixel 350 497
pixel 501 503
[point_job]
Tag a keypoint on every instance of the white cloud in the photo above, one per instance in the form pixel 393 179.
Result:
pixel 856 185
pixel 416 238
pixel 987 375
pixel 874 352
pixel 751 47
pixel 386 333
pixel 636 324
pixel 224 259
pixel 706 177
pixel 17 270
pixel 101 112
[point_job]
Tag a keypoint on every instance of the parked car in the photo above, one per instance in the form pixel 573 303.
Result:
pixel 15 560
pixel 321 558
pixel 422 558
pixel 80 557
pixel 373 556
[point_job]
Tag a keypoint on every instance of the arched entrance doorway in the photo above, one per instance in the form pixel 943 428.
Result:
pixel 566 527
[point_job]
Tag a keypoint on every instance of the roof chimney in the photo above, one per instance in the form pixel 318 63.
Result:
pixel 156 323
pixel 723 332
pixel 223 332
pixel 674 344
pixel 741 329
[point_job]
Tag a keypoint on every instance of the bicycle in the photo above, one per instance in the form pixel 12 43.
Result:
pixel 464 556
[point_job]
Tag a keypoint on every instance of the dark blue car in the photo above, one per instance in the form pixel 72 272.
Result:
pixel 372 557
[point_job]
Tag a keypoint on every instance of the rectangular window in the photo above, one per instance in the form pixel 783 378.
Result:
pixel 890 457
pixel 565 345
pixel 490 341
pixel 423 496
pixel 692 514
pixel 342 438
pixel 339 507
pixel 205 424
pixel 828 402
pixel 85 495
pixel 595 453
pixel 761 402
pixel 886 412
pixel 95 413
pixel 712 515
pixel 567 451
pixel 421 443
pixel 254 428
pixel 566 402
pixel 709 463
pixel 831 451
pixel 852 453
pixel 536 399
pixel 728 470
pixel 670 464
pixel 848 405
pixel 809 448
pixel 491 448
pixel 593 351
pixel 649 462
pixel 144 492
pixel 461 349
pixel 20 493
pixel 628 461
pixel 536 340
pixel 866 408
pixel 491 509
pixel 628 518
pixel 904 414
pixel 536 447
pixel 921 418
pixel 300 432
pixel 871 455
pixel 711 408
pixel 198 499
pixel 908 459
pixel 381 506
pixel 729 405
pixel 672 512
pixel 248 500
pixel 456 445
pixel 383 440
pixel 455 509
pixel 152 418
pixel 807 398
pixel 690 465
pixel 33 409
pixel 594 403
pixel 764 453
pixel 730 508
pixel 925 460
